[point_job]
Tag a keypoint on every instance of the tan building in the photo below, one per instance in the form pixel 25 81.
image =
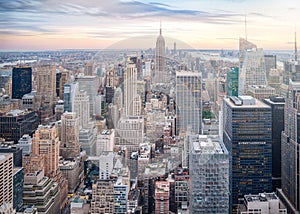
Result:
pixel 103 197
pixel 6 178
pixel 45 143
pixel 46 90
pixel 69 146
pixel 261 92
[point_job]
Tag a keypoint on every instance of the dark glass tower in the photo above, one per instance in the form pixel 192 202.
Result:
pixel 277 108
pixel 21 81
pixel 247 134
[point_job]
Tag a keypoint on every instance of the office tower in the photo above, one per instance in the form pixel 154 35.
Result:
pixel 277 109
pixel 270 63
pixel 6 178
pixel 90 84
pixel 267 203
pixel 290 152
pixel 71 170
pixel 247 135
pixel 46 87
pixel 70 91
pixel 120 197
pixel 21 81
pixel 15 123
pixel 188 101
pixel 81 108
pixel 232 82
pixel 244 45
pixel 261 92
pixel 105 141
pixel 25 144
pixel 17 153
pixel 89 69
pixel 88 139
pixel 45 143
pixel 160 60
pixel 69 146
pixel 132 104
pixel 41 192
pixel 130 133
pixel 209 175
pixel 110 84
pixel 102 197
pixel 18 182
pixel 62 78
pixel 252 66
pixel 161 196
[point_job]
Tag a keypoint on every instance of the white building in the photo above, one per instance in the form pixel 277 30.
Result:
pixel 132 101
pixel 25 143
pixel 105 141
pixel 263 203
pixel 81 107
pixel 188 101
pixel 209 175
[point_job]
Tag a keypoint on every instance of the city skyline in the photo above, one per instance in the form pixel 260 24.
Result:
pixel 45 25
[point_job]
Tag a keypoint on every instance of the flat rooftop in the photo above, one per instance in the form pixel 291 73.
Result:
pixel 245 102
pixel 261 197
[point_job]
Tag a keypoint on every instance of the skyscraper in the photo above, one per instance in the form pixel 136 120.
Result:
pixel 90 84
pixel 160 60
pixel 247 135
pixel 209 175
pixel 46 86
pixel 290 150
pixel 132 103
pixel 6 178
pixel 232 82
pixel 81 107
pixel 110 84
pixel 252 66
pixel 21 81
pixel 69 146
pixel 45 143
pixel 277 108
pixel 188 101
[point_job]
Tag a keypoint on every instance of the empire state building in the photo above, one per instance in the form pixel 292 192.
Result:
pixel 160 60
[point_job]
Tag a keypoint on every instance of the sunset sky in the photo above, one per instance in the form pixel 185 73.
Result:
pixel 97 24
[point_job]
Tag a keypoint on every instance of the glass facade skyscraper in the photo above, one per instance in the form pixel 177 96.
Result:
pixel 247 134
pixel 290 150
pixel 21 81
pixel 209 175
pixel 189 101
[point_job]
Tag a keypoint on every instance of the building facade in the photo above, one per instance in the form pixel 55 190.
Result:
pixel 6 178
pixel 21 81
pixel 188 101
pixel 209 175
pixel 247 135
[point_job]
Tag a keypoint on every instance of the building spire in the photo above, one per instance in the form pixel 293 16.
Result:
pixel 296 53
pixel 160 29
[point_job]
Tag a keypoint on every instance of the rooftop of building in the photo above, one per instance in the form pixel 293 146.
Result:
pixel 4 155
pixel 17 112
pixel 261 197
pixel 245 102
pixel 275 100
pixel 208 144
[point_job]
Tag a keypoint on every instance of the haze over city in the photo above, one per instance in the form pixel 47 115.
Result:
pixel 216 24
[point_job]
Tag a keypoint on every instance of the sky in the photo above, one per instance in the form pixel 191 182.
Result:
pixel 102 24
